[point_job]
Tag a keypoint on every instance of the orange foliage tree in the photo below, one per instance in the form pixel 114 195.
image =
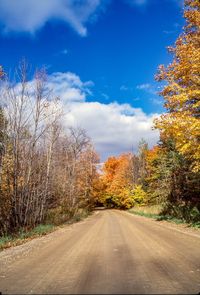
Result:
pixel 117 183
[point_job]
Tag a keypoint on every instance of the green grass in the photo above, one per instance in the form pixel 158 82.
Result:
pixel 42 229
pixel 158 217
pixel 141 213
pixel 196 224
pixel 22 235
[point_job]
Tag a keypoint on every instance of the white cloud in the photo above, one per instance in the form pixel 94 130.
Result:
pixel 69 87
pixel 31 15
pixel 114 128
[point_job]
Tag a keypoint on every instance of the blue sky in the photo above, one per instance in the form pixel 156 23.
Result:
pixel 102 54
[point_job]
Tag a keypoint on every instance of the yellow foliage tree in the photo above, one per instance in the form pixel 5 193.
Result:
pixel 182 92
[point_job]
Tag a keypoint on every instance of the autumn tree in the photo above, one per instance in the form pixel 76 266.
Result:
pixel 121 186
pixel 182 92
pixel 109 171
pixel 2 122
pixel 87 176
pixel 120 182
pixel 44 165
pixel 74 174
pixel 177 164
pixel 4 201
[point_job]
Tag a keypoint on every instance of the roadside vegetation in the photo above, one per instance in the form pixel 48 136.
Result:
pixel 150 212
pixel 47 171
pixel 24 235
pixel 168 175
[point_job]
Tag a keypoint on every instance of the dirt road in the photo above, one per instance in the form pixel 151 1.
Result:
pixel 110 252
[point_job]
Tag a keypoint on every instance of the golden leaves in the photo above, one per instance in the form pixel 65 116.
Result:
pixel 182 93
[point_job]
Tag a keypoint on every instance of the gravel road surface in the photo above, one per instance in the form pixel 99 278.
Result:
pixel 111 252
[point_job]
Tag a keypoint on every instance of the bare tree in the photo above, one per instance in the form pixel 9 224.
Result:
pixel 44 165
pixel 32 114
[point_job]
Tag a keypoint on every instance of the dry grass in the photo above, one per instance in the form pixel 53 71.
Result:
pixel 154 209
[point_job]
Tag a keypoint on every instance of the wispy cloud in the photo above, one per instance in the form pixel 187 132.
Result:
pixel 137 2
pixel 31 15
pixel 144 86
pixel 64 51
pixel 147 87
pixel 142 3
pixel 124 88
pixel 175 28
pixel 105 96
pixel 169 32
pixel 157 101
